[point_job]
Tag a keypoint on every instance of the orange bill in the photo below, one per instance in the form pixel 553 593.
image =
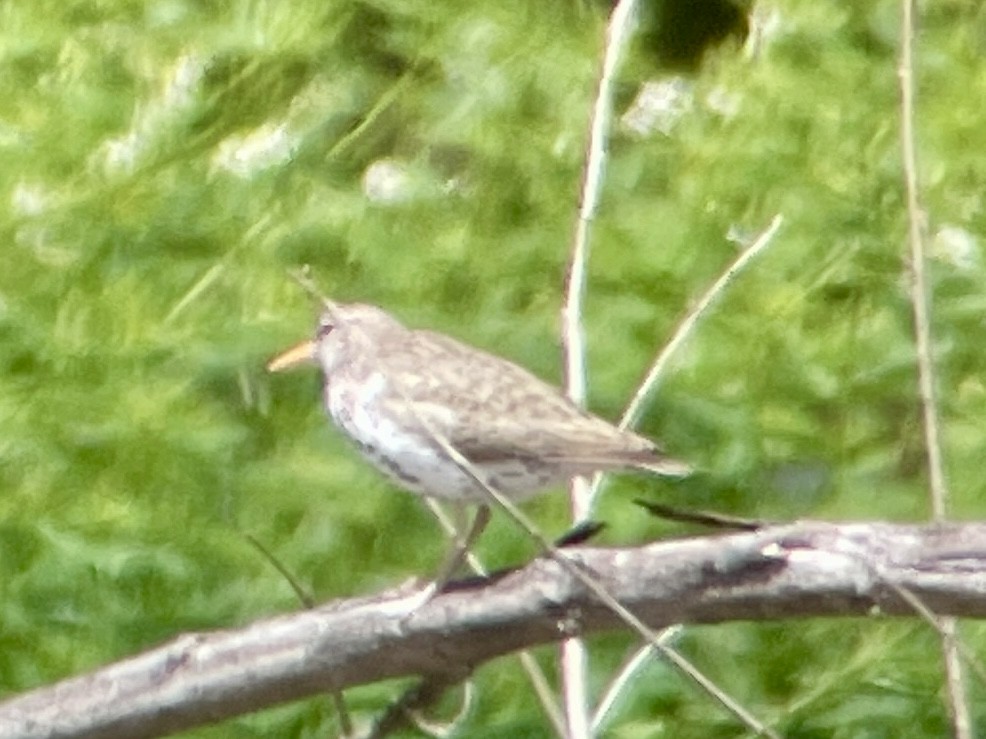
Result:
pixel 303 352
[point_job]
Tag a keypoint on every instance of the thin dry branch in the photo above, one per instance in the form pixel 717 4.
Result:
pixel 920 303
pixel 683 331
pixel 797 571
pixel 630 669
pixel 588 580
pixel 574 657
pixel 536 676
pixel 647 387
pixel 687 325
pixel 617 35
pixel 406 711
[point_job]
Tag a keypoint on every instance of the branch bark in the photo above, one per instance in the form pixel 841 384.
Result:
pixel 795 571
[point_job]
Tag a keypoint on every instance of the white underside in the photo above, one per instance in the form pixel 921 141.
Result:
pixel 424 469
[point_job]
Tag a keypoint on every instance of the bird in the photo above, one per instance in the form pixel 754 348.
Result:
pixel 403 396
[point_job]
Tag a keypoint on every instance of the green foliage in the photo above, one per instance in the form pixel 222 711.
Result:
pixel 162 164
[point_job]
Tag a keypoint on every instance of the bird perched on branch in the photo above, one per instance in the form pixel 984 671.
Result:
pixel 406 396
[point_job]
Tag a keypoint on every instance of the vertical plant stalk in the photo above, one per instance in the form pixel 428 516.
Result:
pixel 617 34
pixel 574 657
pixel 958 705
pixel 919 281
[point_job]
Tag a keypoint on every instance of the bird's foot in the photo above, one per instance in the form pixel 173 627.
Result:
pixel 408 605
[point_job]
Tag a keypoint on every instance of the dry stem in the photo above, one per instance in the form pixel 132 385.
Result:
pixel 938 490
pixel 574 657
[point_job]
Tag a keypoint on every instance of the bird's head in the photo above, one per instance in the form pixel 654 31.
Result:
pixel 342 330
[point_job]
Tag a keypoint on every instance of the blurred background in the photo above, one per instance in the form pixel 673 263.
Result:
pixel 164 163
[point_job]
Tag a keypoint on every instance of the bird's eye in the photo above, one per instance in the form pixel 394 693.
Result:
pixel 324 328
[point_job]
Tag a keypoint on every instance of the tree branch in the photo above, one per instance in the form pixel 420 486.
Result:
pixel 796 571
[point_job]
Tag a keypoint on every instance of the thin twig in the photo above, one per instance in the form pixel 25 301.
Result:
pixel 647 387
pixel 632 414
pixel 406 711
pixel 535 674
pixel 702 518
pixel 308 601
pixel 544 693
pixel 197 290
pixel 370 117
pixel 938 623
pixel 919 282
pixel 575 688
pixel 629 670
pixel 574 658
pixel 920 304
pixel 447 728
pixel 593 585
pixel 617 34
pixel 684 329
pixel 955 681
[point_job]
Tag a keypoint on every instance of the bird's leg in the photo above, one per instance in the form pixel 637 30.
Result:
pixel 460 547
pixel 406 607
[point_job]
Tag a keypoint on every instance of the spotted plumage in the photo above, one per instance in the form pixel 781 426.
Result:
pixel 390 389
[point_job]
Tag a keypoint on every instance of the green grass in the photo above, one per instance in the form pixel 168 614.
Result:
pixel 144 285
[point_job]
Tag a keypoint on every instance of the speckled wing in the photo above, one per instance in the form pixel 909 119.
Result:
pixel 493 410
